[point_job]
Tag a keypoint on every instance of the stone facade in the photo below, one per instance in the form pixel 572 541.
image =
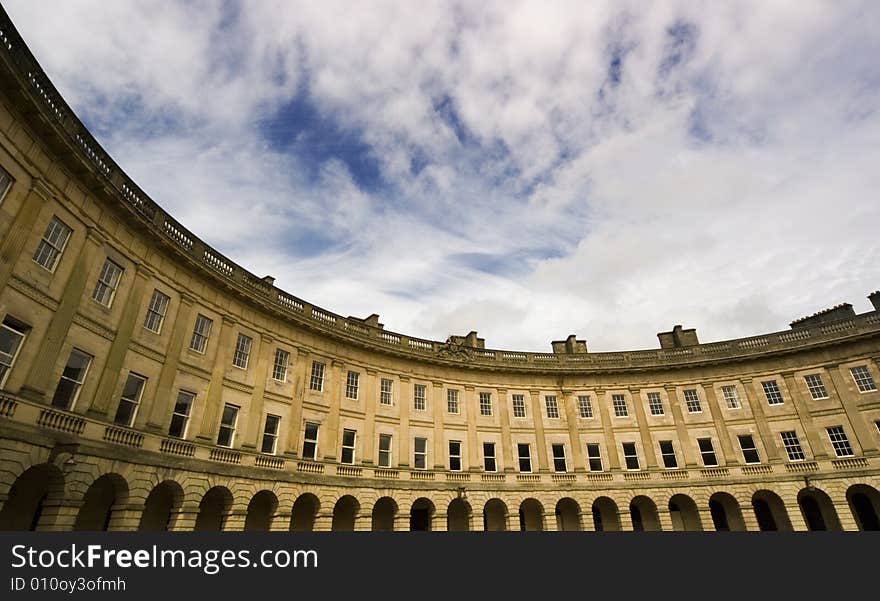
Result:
pixel 95 434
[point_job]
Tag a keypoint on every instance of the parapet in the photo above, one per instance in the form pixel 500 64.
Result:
pixel 569 346
pixel 471 340
pixel 678 338
pixel 836 313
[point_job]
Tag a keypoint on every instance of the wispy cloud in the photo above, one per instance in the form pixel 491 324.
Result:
pixel 527 169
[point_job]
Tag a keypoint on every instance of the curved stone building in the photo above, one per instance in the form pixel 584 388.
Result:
pixel 149 382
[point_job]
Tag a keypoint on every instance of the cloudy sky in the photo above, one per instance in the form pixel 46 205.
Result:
pixel 523 169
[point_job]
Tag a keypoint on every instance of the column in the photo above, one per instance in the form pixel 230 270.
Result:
pixel 214 396
pixel 473 463
pixel 760 421
pixel 623 514
pixel 748 514
pixel 684 441
pixel 21 228
pixel 334 392
pixel 103 398
pixel 571 417
pixel 644 433
pixel 37 383
pixel 608 430
pixel 264 354
pixel 300 374
pixel 844 513
pixel 504 417
pixel 439 403
pixel 724 436
pixel 406 400
pixel 160 413
pixel 538 420
pixel 848 397
pixel 371 390
pixel 804 415
pixel 795 516
pixel 665 519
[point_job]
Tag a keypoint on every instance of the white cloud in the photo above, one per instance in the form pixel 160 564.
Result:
pixel 720 174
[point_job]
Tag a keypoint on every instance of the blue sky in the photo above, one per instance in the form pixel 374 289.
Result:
pixel 524 169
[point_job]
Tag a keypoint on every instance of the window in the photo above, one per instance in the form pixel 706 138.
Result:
pixel 667 451
pixel 730 397
pixel 156 312
pixel 226 435
pixel 351 385
pixel 108 281
pixel 180 415
pixel 348 438
pixel 452 401
pixel 455 455
pixel 384 450
pixel 270 434
pixel 489 464
pixel 630 456
pixel 310 441
pixel 519 405
pixel 316 380
pixel 279 366
pixel 131 398
pixel 242 351
pixel 485 403
pixel 750 452
pixel 619 403
pixel 525 458
pixel 11 337
pixel 71 379
pixel 420 450
pixel 839 441
pixel 692 401
pixel 816 386
pixel 5 183
pixel 792 446
pixel 772 392
pixel 707 451
pixel 52 244
pixel 863 378
pixel 559 458
pixel 420 395
pixel 655 403
pixel 201 331
pixel 385 387
pixel 594 457
pixel 585 407
pixel 552 406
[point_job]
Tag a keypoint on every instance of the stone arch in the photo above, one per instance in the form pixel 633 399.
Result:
pixel 606 517
pixel 161 506
pixel 33 490
pixel 384 513
pixel 458 515
pixel 818 509
pixel 531 515
pixel 568 515
pixel 305 510
pixel 421 515
pixel 261 511
pixel 644 515
pixel 214 509
pixel 726 513
pixel 770 511
pixel 864 502
pixel 345 513
pixel 684 513
pixel 104 497
pixel 495 515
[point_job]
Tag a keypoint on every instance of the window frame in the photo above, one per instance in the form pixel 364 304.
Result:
pixel 352 385
pixel 55 252
pixel 841 442
pixel 772 392
pixel 453 457
pixel 746 451
pixel 390 439
pixel 420 396
pixel 310 441
pixel 585 406
pixel 135 403
pixel 485 399
pixel 231 428
pixel 423 453
pixel 634 456
pixel 524 458
pixel 556 458
pixel 816 385
pixel 731 398
pixel 655 404
pixel 272 435
pixel 487 457
pixel 280 362
pixel 199 336
pixel 867 378
pixel 243 345
pixel 112 285
pixel 350 448
pixel 792 445
pixel 597 457
pixel 518 402
pixel 316 376
pixel 620 406
pixel 665 454
pixel 386 392
pixel 22 332
pixel 452 401
pixel 184 416
pixel 692 401
pixel 77 384
pixel 551 406
pixel 704 453
pixel 159 314
pixel 7 186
